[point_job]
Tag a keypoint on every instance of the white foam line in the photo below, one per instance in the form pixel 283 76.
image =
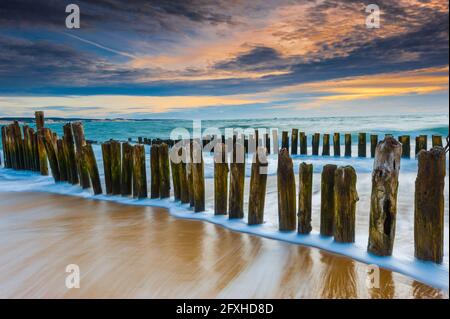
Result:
pixel 426 272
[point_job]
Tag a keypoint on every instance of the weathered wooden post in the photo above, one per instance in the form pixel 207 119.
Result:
pixel 184 188
pixel 294 141
pixel 305 198
pixel 406 146
pixel 286 192
pixel 164 170
pixel 237 179
pixel 275 146
pixel 80 141
pixel 5 147
pixel 40 121
pixel 71 157
pixel 348 145
pixel 362 147
pixel 139 172
pixel 51 153
pixel 154 171
pixel 126 179
pixel 303 144
pixel 345 198
pixel 315 143
pixel 421 143
pixel 285 140
pixel 198 176
pixel 174 166
pixel 220 180
pixel 327 207
pixel 106 153
pixel 267 143
pixel 190 173
pixel 373 144
pixel 42 155
pixel 116 167
pixel 337 144
pixel 62 162
pixel 258 182
pixel 383 202
pixel 436 140
pixel 326 145
pixel 429 205
pixel 18 145
pixel 91 164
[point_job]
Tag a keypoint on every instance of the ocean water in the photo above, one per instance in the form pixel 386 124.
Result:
pixel 402 261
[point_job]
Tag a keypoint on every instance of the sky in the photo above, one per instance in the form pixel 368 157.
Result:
pixel 223 59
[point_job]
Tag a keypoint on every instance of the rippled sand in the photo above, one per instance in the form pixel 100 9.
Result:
pixel 143 252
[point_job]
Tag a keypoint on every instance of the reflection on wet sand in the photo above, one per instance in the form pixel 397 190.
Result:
pixel 143 252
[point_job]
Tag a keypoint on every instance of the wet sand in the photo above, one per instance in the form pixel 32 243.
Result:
pixel 143 252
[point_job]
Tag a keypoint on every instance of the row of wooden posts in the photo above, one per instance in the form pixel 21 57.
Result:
pixel 297 143
pixel 72 159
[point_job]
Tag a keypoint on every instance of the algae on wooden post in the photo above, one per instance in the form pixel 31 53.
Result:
pixel 429 205
pixel 62 162
pixel 51 151
pixel 126 179
pixel 345 198
pixel 174 165
pixel 436 140
pixel 258 182
pixel 139 172
pixel 294 141
pixel 80 141
pixel 106 153
pixel 286 192
pixel 383 201
pixel 362 147
pixel 91 164
pixel 373 144
pixel 305 198
pixel 164 169
pixel 327 207
pixel 71 156
pixel 154 171
pixel 116 167
pixel 421 143
pixel 315 143
pixel 237 179
pixel 220 179
pixel 198 177
pixel 406 145
pixel 184 188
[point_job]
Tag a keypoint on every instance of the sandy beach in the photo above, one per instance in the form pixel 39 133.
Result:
pixel 143 252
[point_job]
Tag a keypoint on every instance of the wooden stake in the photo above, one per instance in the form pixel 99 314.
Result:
pixel 91 164
pixel 406 146
pixel 220 180
pixel 106 153
pixel 198 176
pixel 305 198
pixel 42 154
pixel 126 178
pixel 345 198
pixel 174 165
pixel 139 172
pixel 164 169
pixel 294 141
pixel 184 187
pixel 315 143
pixel 373 144
pixel 190 174
pixel 429 205
pixel 258 182
pixel 116 167
pixel 348 145
pixel 362 147
pixel 421 143
pixel 52 153
pixel 436 140
pixel 72 170
pixel 337 144
pixel 326 145
pixel 285 140
pixel 154 170
pixel 62 162
pixel 267 144
pixel 80 141
pixel 237 179
pixel 286 192
pixel 40 121
pixel 383 202
pixel 327 207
